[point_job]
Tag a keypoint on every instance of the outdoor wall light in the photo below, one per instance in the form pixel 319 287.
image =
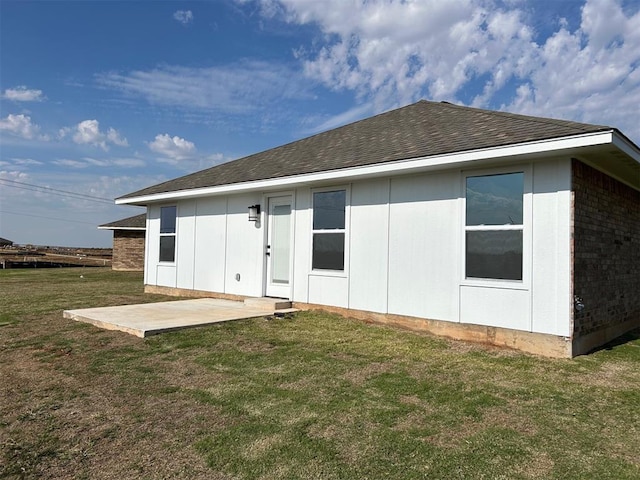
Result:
pixel 578 303
pixel 254 213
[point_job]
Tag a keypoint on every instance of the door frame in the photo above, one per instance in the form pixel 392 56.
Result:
pixel 267 230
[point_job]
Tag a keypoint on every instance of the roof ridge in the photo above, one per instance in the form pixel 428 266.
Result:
pixel 582 126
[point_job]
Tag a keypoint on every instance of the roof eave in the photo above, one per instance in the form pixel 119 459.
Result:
pixel 434 162
pixel 625 145
pixel 104 227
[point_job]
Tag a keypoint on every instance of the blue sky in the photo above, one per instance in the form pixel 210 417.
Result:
pixel 103 98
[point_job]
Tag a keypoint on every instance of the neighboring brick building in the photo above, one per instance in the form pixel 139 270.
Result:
pixel 128 242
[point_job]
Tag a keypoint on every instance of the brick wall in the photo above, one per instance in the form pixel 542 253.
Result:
pixel 606 251
pixel 128 250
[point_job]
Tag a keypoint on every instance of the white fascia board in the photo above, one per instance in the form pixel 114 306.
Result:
pixel 390 168
pixel 626 146
pixel 121 228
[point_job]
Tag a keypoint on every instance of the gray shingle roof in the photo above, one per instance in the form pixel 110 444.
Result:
pixel 137 222
pixel 418 130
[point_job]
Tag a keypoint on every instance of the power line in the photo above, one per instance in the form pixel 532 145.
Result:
pixel 59 194
pixel 15 184
pixel 54 191
pixel 65 195
pixel 48 218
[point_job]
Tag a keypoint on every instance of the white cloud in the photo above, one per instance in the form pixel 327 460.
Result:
pixel 23 94
pixel 13 175
pixel 393 52
pixel 591 74
pixel 214 158
pixel 343 118
pixel 182 153
pixel 239 88
pixel 88 132
pixel 128 162
pixel 114 137
pixel 173 148
pixel 66 162
pixel 401 51
pixel 22 126
pixel 183 16
pixel 87 162
pixel 20 162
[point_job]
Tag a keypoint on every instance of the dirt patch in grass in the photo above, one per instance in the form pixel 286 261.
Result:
pixel 619 375
pixel 455 435
pixel 247 345
pixel 190 375
pixel 538 465
pixel 262 444
pixel 360 375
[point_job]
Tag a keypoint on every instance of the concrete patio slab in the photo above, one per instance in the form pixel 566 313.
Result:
pixel 147 319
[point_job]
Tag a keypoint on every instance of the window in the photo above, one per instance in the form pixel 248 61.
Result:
pixel 167 234
pixel 328 230
pixel 494 225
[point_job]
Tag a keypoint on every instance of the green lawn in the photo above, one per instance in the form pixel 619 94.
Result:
pixel 309 396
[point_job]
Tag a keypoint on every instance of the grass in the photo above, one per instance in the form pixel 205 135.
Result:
pixel 308 396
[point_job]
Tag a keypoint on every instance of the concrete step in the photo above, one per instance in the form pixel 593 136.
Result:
pixel 267 303
pixel 285 311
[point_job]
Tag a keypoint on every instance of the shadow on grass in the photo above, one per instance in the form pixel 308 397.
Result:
pixel 622 340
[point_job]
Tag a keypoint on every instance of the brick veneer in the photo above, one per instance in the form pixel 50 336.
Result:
pixel 128 250
pixel 606 257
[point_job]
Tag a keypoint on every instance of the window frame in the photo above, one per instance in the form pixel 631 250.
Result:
pixel 525 228
pixel 173 234
pixel 345 231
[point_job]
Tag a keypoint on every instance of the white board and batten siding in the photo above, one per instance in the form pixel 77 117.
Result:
pixel 217 248
pixel 403 255
pixel 211 244
pixel 424 263
pixel 369 246
pixel 551 248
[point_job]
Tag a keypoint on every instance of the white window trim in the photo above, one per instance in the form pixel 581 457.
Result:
pixel 347 222
pixel 174 234
pixel 527 222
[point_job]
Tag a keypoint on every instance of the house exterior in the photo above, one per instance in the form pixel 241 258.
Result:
pixel 5 243
pixel 487 226
pixel 128 242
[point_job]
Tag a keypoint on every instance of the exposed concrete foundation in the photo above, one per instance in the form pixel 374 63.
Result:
pixel 537 343
pixel 185 292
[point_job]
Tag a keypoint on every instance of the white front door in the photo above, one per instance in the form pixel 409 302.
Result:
pixel 278 249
